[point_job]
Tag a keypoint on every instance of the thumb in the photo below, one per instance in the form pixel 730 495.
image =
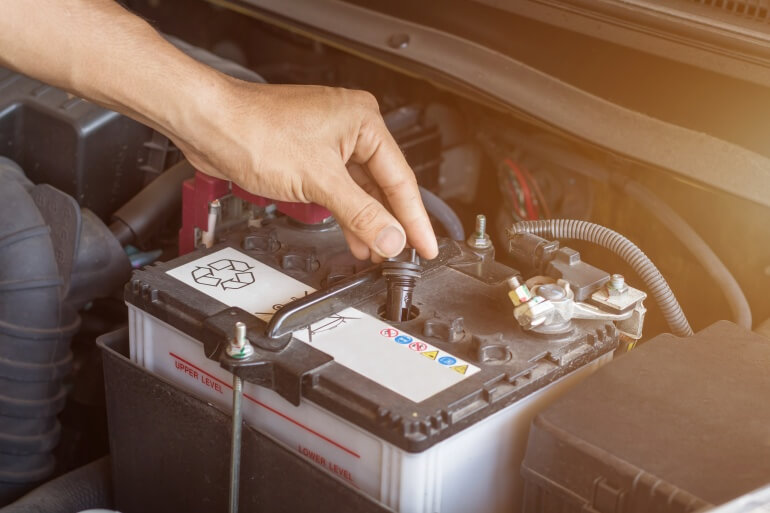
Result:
pixel 362 215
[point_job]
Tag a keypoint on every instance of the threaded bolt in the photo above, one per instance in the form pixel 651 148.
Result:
pixel 479 239
pixel 240 347
pixel 481 225
pixel 240 334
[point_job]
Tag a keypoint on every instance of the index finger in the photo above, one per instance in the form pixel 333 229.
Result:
pixel 376 148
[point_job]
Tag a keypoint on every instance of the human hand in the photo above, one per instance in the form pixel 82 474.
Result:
pixel 289 143
pixel 316 144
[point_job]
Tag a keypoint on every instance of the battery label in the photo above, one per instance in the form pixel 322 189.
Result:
pixel 367 345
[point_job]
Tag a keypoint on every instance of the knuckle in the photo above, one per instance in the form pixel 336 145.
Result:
pixel 367 99
pixel 366 218
pixel 405 186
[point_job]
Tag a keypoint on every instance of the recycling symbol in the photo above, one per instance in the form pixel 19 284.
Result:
pixel 226 273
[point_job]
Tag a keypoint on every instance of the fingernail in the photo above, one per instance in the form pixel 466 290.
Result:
pixel 389 242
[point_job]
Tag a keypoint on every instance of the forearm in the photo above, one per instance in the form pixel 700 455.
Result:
pixel 98 50
pixel 288 143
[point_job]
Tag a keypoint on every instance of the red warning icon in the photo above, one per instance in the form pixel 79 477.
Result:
pixel 389 332
pixel 418 346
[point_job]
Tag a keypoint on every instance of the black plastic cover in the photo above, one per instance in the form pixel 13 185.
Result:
pixel 677 425
pixel 91 153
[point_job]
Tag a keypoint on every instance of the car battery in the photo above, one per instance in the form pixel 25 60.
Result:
pixel 425 415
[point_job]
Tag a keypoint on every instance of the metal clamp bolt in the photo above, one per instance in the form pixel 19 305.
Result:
pixel 240 347
pixel 480 239
pixel 617 285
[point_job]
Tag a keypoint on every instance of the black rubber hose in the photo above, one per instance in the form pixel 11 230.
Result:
pixel 701 251
pixel 443 214
pixel 160 199
pixel 88 487
pixel 35 328
pixel 590 232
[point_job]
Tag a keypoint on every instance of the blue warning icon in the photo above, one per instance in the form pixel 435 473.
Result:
pixel 447 360
pixel 403 339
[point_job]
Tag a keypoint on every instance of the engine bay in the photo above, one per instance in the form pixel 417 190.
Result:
pixel 226 348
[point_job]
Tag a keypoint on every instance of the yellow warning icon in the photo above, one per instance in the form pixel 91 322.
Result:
pixel 460 368
pixel 430 354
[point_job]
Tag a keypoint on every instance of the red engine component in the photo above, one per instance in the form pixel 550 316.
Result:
pixel 200 191
pixel 308 213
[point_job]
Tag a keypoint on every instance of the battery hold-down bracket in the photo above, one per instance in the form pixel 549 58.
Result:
pixel 276 369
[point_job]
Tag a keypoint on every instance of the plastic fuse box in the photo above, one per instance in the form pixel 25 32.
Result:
pixel 428 415
pixel 676 426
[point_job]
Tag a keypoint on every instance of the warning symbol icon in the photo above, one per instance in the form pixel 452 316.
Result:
pixel 430 354
pixel 225 273
pixel 462 369
pixel 418 346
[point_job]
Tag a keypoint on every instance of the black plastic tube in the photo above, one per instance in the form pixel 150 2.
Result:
pixel 590 232
pixel 160 199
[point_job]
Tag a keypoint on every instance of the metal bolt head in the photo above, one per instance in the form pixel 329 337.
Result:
pixel 239 353
pixel 513 282
pixel 551 291
pixel 617 285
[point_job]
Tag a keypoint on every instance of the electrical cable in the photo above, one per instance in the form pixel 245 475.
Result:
pixel 590 232
pixel 541 202
pixel 531 214
pixel 667 216
pixel 516 205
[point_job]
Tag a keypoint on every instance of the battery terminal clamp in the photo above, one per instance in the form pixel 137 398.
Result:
pixel 550 305
pixel 530 311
